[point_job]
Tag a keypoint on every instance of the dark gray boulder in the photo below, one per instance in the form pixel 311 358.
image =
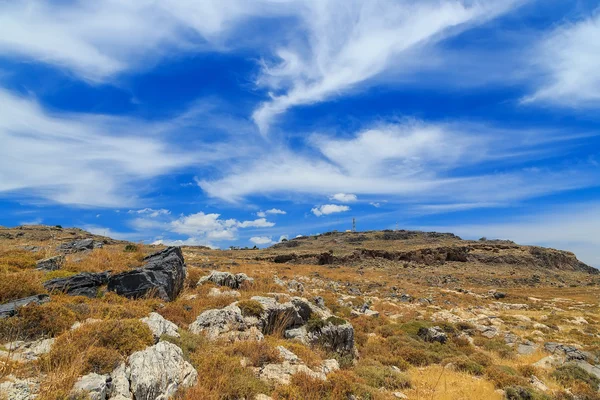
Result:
pixel 163 276
pixel 435 334
pixel 79 245
pixel 83 284
pixel 570 352
pixel 51 264
pixel 9 309
pixel 334 335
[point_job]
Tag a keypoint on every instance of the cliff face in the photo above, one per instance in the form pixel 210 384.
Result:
pixel 423 248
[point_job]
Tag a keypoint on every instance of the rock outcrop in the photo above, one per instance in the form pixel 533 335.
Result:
pixel 216 323
pixel 160 326
pixel 163 277
pixel 159 371
pixel 155 373
pixel 50 264
pixel 9 309
pixel 226 279
pixel 79 245
pixel 83 284
pixel 434 334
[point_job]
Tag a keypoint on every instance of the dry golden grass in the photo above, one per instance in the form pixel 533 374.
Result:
pixel 439 383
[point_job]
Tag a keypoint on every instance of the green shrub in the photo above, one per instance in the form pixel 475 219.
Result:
pixel 130 248
pixel 503 376
pixel 465 364
pixel 251 308
pixel 35 321
pixel 569 374
pixel 381 376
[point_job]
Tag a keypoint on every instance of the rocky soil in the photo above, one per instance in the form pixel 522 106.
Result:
pixel 367 315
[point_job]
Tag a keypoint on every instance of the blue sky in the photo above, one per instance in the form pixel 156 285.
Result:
pixel 241 122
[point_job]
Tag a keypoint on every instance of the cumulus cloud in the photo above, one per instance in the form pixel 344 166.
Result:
pixel 201 228
pixel 260 240
pixel 152 213
pixel 263 214
pixel 568 63
pixel 257 223
pixel 327 209
pixel 344 197
pixel 349 42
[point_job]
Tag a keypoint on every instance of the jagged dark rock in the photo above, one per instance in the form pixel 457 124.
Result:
pixel 163 277
pixel 9 309
pixel 83 284
pixel 79 245
pixel 435 334
pixel 51 264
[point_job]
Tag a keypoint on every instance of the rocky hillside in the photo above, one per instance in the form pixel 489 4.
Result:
pixel 368 315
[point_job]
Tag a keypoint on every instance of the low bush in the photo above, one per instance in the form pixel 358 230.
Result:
pixel 465 364
pixel 21 284
pixel 258 353
pixel 251 308
pixel 381 376
pixel 570 374
pixel 503 376
pixel 35 321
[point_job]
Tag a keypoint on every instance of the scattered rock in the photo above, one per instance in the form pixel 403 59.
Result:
pixel 79 245
pixel 83 284
pixel 400 395
pixel 160 326
pixel 215 292
pixel 94 386
pixel 526 348
pixel 27 351
pixel 159 371
pixel 295 286
pixel 11 308
pixel 163 277
pixel 337 336
pixel 226 279
pixel 217 322
pixel 488 331
pixel 51 264
pixel 570 352
pixel 434 334
pixel 280 316
pixel 538 384
pixel 319 301
pixel 19 389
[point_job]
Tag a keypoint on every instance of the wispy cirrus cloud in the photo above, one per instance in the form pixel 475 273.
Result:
pixel 349 42
pixel 567 62
pixel 459 163
pixel 93 160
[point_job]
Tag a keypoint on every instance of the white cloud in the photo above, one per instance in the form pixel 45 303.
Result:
pixel 344 197
pixel 418 162
pixel 374 204
pixel 98 39
pixel 95 160
pixel 349 42
pixel 150 212
pixel 259 240
pixel 575 227
pixel 568 63
pixel 257 223
pixel 275 211
pixel 261 214
pixel 327 209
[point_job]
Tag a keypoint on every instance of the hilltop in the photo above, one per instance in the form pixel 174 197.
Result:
pixel 341 315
